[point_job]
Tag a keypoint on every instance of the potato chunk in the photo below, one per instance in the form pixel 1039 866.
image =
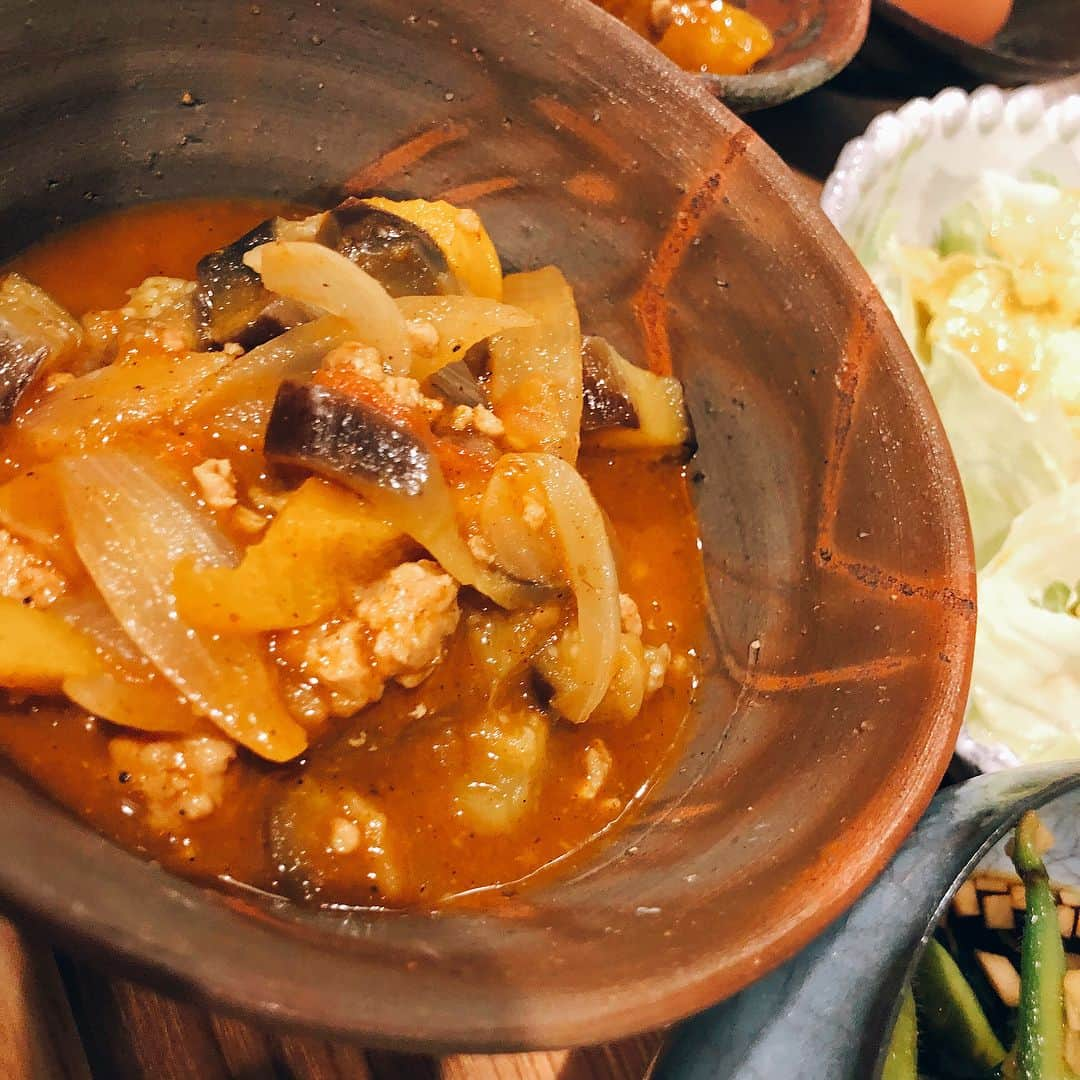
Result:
pixel 504 759
pixel 24 576
pixel 38 650
pixel 323 542
pixel 322 834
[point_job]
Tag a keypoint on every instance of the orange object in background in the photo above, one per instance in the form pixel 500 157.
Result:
pixel 976 21
pixel 715 36
pixel 699 35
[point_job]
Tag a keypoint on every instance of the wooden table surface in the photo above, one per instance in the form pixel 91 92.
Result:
pixel 65 1018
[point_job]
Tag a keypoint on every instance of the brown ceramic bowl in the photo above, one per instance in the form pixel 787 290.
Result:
pixel 813 41
pixel 833 526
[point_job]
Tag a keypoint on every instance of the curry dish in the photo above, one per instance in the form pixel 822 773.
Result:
pixel 335 562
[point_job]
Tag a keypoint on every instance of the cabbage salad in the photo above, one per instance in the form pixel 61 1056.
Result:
pixel 992 312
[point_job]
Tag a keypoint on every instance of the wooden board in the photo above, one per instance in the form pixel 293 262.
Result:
pixel 63 1020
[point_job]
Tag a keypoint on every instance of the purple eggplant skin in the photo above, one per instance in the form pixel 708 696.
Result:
pixel 20 361
pixel 232 306
pixel 457 384
pixel 230 298
pixel 606 399
pixel 398 254
pixel 320 429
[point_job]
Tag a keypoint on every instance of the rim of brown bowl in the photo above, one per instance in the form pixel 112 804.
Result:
pixel 237 955
pixel 814 42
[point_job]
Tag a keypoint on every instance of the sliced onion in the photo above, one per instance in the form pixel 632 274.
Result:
pixel 326 280
pixel 132 523
pixel 536 378
pixel 585 660
pixel 431 520
pixel 460 322
pixel 255 376
pixel 151 705
pixel 130 691
pixel 132 393
pixel 89 614
pixel 526 551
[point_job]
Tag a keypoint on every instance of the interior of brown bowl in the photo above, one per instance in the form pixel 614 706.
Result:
pixel 833 528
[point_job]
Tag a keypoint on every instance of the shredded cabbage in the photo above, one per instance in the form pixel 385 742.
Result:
pixel 1026 681
pixel 993 314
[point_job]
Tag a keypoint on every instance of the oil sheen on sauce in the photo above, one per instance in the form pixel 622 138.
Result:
pixel 392 748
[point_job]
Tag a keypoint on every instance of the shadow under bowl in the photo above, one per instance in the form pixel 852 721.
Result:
pixel 813 41
pixel 833 527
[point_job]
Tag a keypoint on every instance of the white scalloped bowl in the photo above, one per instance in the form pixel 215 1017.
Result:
pixel 913 165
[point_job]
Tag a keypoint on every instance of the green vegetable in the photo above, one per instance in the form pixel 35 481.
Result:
pixel 903 1048
pixel 1040 1045
pixel 1056 597
pixel 962 230
pixel 954 1026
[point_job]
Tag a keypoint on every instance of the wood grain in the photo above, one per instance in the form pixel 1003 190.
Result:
pixel 64 1020
pixel 38 1037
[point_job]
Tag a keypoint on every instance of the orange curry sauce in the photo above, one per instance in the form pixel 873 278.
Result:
pixel 397 749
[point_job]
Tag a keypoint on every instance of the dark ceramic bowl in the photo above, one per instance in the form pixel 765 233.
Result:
pixel 813 41
pixel 1040 41
pixel 834 530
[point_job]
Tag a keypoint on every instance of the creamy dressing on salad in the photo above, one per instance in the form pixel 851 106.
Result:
pixel 992 311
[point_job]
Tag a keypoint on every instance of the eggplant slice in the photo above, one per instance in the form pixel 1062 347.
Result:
pixel 230 301
pixel 628 407
pixel 346 440
pixel 320 429
pixel 397 253
pixel 607 398
pixel 457 384
pixel 232 305
pixel 19 364
pixel 35 335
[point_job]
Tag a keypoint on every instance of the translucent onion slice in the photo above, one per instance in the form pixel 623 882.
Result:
pixel 431 519
pixel 460 322
pixel 326 280
pixel 253 379
pixel 152 706
pixel 132 523
pixel 527 550
pixel 130 691
pixel 132 393
pixel 586 658
pixel 536 379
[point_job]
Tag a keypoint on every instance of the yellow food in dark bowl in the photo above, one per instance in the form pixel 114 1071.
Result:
pixel 700 35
